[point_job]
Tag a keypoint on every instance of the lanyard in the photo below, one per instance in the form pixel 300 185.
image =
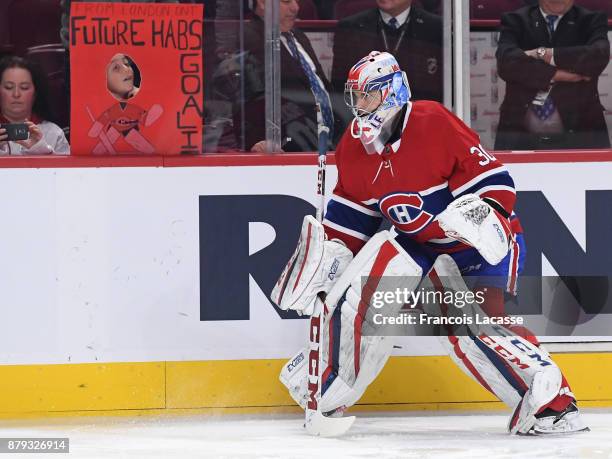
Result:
pixel 399 39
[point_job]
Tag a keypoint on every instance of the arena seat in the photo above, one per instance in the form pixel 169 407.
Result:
pixel 433 6
pixel 308 10
pixel 493 9
pixel 4 20
pixel 33 22
pixel 597 5
pixel 50 58
pixel 344 8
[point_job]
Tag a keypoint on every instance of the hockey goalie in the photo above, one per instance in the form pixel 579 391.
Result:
pixel 448 199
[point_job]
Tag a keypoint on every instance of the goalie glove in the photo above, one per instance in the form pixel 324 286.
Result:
pixel 471 220
pixel 313 268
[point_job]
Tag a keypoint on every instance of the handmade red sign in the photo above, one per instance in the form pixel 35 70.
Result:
pixel 136 78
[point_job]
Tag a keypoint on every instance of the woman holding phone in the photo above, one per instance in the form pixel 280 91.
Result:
pixel 23 100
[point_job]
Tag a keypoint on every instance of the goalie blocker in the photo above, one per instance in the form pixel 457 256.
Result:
pixel 312 269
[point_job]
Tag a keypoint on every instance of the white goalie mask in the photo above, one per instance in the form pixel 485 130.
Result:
pixel 376 91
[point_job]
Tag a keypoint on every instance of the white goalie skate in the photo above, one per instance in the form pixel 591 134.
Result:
pixel 551 422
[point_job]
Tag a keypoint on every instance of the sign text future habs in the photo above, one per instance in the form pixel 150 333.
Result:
pixel 166 42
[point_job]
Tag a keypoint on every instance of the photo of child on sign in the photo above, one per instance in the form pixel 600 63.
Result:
pixel 127 91
pixel 123 119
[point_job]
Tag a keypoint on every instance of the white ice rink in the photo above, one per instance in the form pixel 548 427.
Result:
pixel 416 435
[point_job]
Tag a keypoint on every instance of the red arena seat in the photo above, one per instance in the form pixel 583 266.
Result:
pixel 4 21
pixel 493 9
pixel 346 8
pixel 597 5
pixel 33 22
pixel 50 58
pixel 308 10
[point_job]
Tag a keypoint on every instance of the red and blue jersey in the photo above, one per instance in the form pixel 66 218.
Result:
pixel 436 160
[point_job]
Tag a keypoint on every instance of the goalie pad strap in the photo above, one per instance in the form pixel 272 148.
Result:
pixel 497 206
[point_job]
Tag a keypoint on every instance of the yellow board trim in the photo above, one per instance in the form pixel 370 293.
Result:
pixel 252 386
pixel 81 387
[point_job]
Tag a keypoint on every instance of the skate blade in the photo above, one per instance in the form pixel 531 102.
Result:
pixel 534 433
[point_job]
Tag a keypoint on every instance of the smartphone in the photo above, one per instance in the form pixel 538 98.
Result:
pixel 16 131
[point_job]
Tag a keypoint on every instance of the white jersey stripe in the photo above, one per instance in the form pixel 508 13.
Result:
pixel 433 189
pixel 496 188
pixel 446 240
pixel 342 229
pixel 357 207
pixel 478 178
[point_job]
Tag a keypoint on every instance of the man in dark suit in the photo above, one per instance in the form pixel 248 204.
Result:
pixel 303 85
pixel 551 56
pixel 410 33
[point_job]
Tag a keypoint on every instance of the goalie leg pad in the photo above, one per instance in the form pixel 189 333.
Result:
pixel 341 393
pixel 517 371
pixel 352 359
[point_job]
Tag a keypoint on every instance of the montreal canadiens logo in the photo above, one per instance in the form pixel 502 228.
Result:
pixel 406 212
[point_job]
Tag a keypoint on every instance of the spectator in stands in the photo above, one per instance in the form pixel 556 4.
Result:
pixel 407 31
pixel 551 56
pixel 303 84
pixel 23 99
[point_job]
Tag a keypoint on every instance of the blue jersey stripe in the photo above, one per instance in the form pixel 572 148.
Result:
pixel 352 219
pixel 502 178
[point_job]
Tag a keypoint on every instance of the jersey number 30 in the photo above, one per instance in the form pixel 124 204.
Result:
pixel 485 155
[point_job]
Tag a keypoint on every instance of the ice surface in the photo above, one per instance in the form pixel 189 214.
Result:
pixel 412 435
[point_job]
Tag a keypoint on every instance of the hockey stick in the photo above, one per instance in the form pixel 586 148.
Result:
pixel 316 423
